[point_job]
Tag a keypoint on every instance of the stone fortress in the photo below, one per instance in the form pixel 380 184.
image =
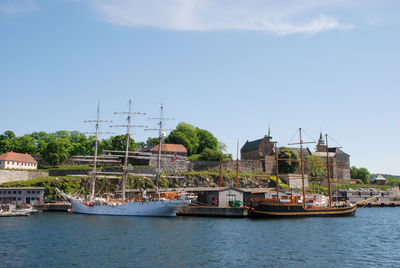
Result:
pixel 263 151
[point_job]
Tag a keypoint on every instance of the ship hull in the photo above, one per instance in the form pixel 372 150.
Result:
pixel 167 208
pixel 297 210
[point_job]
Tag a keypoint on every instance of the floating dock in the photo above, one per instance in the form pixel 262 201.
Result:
pixel 204 211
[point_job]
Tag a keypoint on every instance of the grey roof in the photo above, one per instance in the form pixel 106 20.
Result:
pixel 336 150
pixel 379 178
pixel 251 145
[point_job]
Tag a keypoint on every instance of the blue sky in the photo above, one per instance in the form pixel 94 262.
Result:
pixel 227 66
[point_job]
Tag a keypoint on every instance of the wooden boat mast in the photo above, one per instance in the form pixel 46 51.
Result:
pixel 237 165
pixel 302 165
pixel 329 171
pixel 302 169
pixel 277 170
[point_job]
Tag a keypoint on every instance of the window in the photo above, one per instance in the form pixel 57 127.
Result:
pixel 9 192
pixel 29 192
pixel 19 198
pixel 14 192
pixel 19 192
pixel 1 192
pixel 231 197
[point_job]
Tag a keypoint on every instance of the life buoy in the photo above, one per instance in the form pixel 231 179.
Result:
pixel 87 204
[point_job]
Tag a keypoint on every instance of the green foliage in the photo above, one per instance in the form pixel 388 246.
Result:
pixel 185 134
pixel 316 166
pixel 57 151
pixel 197 141
pixel 287 166
pixel 206 141
pixel 194 157
pixel 151 142
pixel 58 146
pixel 210 155
pixel 393 181
pixel 360 174
pixel 117 143
pixel 164 183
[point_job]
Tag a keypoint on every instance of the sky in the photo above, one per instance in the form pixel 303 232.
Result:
pixel 233 67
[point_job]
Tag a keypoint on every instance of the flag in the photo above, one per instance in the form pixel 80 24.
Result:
pixel 175 157
pixel 94 144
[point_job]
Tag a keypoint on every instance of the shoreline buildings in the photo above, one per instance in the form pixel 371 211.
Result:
pixel 263 150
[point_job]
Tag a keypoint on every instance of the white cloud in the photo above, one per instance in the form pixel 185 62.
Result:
pixel 11 7
pixel 278 16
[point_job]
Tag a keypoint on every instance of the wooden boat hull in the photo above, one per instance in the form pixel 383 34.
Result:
pixel 297 210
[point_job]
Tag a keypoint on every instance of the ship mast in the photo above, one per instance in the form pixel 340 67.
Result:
pixel 128 133
pixel 302 166
pixel 161 136
pixel 329 171
pixel 96 143
pixel 277 170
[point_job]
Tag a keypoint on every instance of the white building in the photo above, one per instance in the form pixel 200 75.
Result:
pixel 13 160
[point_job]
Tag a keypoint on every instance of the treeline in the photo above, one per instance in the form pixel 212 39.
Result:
pixel 58 146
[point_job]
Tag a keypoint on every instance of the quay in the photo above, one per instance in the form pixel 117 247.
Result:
pixel 380 204
pixel 206 211
pixel 49 207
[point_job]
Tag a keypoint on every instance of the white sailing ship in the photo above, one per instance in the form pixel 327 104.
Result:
pixel 160 204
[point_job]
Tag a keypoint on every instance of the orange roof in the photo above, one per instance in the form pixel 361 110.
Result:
pixel 11 156
pixel 179 148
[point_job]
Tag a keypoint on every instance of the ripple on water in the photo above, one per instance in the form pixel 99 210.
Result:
pixel 65 240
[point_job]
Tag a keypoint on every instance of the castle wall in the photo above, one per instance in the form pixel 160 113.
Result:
pixel 21 175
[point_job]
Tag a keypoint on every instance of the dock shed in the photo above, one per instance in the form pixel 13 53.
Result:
pixel 21 195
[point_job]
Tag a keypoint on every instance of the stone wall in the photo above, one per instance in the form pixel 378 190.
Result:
pixel 21 175
pixel 172 166
pixel 68 172
pixel 245 166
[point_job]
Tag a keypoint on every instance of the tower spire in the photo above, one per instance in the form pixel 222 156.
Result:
pixel 269 131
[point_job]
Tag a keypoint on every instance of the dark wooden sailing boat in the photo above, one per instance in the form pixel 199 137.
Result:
pixel 293 206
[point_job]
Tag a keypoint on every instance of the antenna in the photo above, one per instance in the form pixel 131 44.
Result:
pixel 96 141
pixel 128 127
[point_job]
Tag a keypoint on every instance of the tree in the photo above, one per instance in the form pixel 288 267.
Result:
pixel 210 155
pixel 316 166
pixel 206 140
pixel 25 144
pixel 287 166
pixel 117 143
pixel 186 135
pixel 360 174
pixel 8 134
pixel 178 137
pixel 195 139
pixel 6 141
pixel 151 142
pixel 57 151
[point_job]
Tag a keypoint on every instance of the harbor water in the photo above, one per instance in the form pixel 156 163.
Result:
pixel 71 240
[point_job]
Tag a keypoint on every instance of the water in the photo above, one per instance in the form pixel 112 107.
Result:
pixel 67 240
